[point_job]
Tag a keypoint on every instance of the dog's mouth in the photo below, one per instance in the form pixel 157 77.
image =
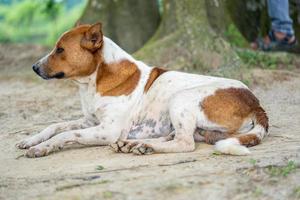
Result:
pixel 58 75
pixel 43 75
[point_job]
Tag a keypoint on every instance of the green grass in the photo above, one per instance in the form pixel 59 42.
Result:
pixel 107 194
pixel 257 59
pixel 252 161
pixel 282 170
pixel 257 192
pixel 235 37
pixel 99 167
pixel 216 153
pixel 253 58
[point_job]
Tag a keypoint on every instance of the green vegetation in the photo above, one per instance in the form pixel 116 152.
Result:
pixel 107 194
pixel 282 171
pixel 216 153
pixel 253 161
pixel 234 36
pixel 99 167
pixel 254 59
pixel 37 21
pixel 257 192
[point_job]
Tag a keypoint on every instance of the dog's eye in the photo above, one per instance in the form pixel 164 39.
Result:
pixel 59 50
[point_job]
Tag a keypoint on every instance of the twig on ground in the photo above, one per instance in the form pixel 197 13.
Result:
pixel 20 156
pixel 119 169
pixel 178 163
pixel 275 126
pixel 66 187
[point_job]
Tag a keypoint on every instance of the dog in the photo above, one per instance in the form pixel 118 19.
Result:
pixel 140 109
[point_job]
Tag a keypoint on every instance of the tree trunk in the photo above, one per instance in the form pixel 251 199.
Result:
pixel 130 23
pixel 185 39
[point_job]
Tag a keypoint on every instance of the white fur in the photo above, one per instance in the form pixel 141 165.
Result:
pixel 259 131
pixel 231 146
pixel 112 52
pixel 171 103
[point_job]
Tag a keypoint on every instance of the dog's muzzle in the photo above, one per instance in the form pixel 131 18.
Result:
pixel 41 73
pixel 36 69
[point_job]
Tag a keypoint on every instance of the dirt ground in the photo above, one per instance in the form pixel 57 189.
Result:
pixel 29 104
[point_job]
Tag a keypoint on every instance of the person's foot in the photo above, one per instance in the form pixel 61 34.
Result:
pixel 275 41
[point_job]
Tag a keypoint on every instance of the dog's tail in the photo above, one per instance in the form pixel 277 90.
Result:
pixel 237 144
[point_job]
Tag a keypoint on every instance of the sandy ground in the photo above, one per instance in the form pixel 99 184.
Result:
pixel 29 104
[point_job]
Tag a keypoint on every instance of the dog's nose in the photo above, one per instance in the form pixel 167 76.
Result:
pixel 36 69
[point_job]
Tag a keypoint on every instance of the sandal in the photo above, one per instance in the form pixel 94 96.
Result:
pixel 271 43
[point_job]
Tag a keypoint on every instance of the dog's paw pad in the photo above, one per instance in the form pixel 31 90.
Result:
pixel 115 147
pixel 123 146
pixel 129 147
pixel 24 144
pixel 142 149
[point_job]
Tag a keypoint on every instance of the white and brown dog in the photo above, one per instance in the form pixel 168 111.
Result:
pixel 141 109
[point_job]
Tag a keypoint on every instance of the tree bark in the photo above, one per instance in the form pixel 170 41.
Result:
pixel 185 39
pixel 130 23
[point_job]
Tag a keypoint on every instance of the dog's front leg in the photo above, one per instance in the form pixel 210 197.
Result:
pixel 52 130
pixel 99 135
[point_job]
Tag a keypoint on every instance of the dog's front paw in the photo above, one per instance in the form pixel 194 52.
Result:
pixel 123 146
pixel 27 143
pixel 142 149
pixel 35 152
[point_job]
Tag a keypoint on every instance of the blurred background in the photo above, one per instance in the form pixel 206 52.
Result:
pixel 37 21
pixel 194 35
pixel 42 21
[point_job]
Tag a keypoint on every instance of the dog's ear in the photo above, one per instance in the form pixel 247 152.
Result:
pixel 92 39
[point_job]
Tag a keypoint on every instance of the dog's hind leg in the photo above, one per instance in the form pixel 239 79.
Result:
pixel 52 130
pixel 183 115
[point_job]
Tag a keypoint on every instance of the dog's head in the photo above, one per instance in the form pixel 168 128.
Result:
pixel 74 55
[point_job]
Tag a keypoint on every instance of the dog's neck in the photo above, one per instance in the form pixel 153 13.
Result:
pixel 110 53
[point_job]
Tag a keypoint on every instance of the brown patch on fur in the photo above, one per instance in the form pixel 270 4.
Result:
pixel 262 118
pixel 81 55
pixel 211 137
pixel 230 107
pixel 117 79
pixel 249 140
pixel 154 74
